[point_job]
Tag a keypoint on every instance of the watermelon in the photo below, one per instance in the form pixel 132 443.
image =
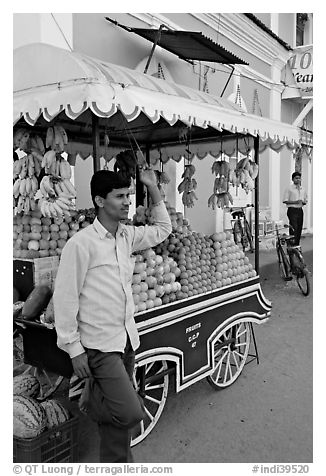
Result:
pixel 26 385
pixel 29 417
pixel 56 413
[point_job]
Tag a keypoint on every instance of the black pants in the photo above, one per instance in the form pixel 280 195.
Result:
pixel 114 403
pixel 295 216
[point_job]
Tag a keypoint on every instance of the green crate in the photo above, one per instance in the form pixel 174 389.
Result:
pixel 55 445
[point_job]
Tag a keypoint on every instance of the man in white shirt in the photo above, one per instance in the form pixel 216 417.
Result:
pixel 295 197
pixel 94 308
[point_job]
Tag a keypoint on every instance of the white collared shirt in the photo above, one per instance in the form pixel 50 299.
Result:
pixel 294 193
pixel 93 303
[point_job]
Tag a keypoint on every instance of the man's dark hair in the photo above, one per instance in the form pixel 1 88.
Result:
pixel 104 181
pixel 296 174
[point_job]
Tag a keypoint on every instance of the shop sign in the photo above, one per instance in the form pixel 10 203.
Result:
pixel 301 65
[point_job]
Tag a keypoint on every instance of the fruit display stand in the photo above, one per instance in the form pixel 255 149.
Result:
pixel 196 297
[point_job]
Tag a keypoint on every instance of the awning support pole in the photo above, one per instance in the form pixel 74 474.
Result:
pixel 96 142
pixel 229 78
pixel 256 158
pixel 141 194
pixel 158 36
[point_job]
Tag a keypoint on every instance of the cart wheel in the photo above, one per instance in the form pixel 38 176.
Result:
pixel 231 350
pixel 18 354
pixel 49 382
pixel 152 384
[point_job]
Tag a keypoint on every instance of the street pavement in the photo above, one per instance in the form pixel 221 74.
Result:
pixel 265 416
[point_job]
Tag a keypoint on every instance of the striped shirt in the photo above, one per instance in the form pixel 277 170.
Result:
pixel 93 303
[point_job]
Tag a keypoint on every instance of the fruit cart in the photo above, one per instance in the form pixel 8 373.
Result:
pixel 206 329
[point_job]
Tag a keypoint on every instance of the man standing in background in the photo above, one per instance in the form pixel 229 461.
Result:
pixel 295 197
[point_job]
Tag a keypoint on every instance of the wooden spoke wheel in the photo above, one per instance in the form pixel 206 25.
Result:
pixel 152 383
pixel 231 349
pixel 49 382
pixel 18 354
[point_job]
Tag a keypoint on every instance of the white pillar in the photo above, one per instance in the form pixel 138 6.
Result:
pixel 274 157
pixel 274 23
pixel 307 185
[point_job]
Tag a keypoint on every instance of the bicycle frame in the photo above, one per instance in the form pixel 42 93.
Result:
pixel 291 262
pixel 241 232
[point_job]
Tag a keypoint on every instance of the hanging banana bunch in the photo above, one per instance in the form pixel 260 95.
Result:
pixel 56 139
pixel 21 139
pixel 125 164
pixel 56 189
pixel 221 197
pixel 25 184
pixel 58 193
pixel 244 174
pixel 187 186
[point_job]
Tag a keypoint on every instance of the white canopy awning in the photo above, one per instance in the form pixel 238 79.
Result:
pixel 50 80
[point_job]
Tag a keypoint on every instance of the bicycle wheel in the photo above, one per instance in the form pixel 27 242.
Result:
pixel 249 236
pixel 237 232
pixel 284 267
pixel 304 281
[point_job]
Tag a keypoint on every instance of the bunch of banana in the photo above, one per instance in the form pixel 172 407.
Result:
pixel 221 184
pixel 162 177
pixel 125 164
pixel 220 200
pixel 20 167
pixel 56 139
pixel 55 207
pixel 21 139
pixel 49 162
pixel 234 179
pixel 244 174
pixel 25 185
pixel 252 168
pixel 188 199
pixel 46 187
pixel 188 183
pixel 187 186
pixel 248 183
pixel 27 166
pixel 63 187
pixel 221 168
pixel 25 204
pixel 37 144
pixel 249 165
pixel 64 169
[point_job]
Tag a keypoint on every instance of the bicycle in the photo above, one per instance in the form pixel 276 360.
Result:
pixel 241 229
pixel 291 262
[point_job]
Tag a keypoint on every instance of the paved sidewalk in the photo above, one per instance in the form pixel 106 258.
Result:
pixel 267 256
pixel 271 283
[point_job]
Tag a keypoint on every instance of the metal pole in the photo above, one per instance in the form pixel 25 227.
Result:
pixel 228 80
pixel 256 151
pixel 147 152
pixel 96 142
pixel 157 39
